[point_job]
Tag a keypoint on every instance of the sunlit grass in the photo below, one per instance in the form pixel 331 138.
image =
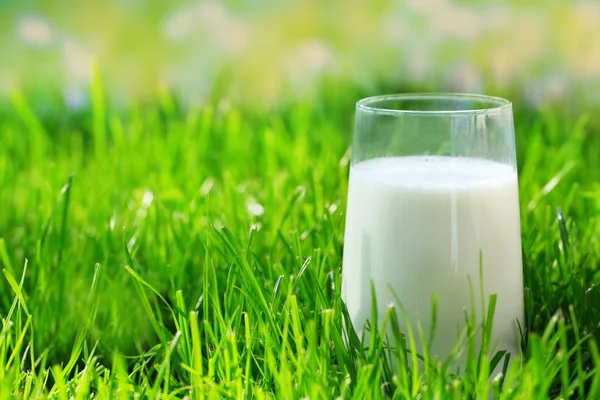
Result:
pixel 171 252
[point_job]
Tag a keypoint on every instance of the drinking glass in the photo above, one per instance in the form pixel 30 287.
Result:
pixel 432 202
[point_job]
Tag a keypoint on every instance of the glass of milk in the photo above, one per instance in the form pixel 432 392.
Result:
pixel 432 192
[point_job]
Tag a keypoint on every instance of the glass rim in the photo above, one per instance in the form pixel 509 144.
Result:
pixel 492 104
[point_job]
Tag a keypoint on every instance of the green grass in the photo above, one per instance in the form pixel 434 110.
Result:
pixel 162 252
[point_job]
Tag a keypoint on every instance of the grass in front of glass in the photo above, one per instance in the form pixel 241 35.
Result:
pixel 199 252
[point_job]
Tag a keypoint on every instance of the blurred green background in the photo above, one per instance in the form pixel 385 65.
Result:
pixel 258 51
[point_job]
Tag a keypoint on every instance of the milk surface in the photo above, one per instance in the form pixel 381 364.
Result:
pixel 419 224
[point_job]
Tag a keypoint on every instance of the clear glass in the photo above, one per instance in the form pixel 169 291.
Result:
pixel 433 195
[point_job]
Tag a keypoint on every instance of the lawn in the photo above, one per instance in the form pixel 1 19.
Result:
pixel 165 251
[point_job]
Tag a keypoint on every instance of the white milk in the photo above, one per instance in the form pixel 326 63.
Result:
pixel 419 224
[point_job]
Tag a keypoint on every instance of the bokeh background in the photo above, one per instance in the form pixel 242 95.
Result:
pixel 258 51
